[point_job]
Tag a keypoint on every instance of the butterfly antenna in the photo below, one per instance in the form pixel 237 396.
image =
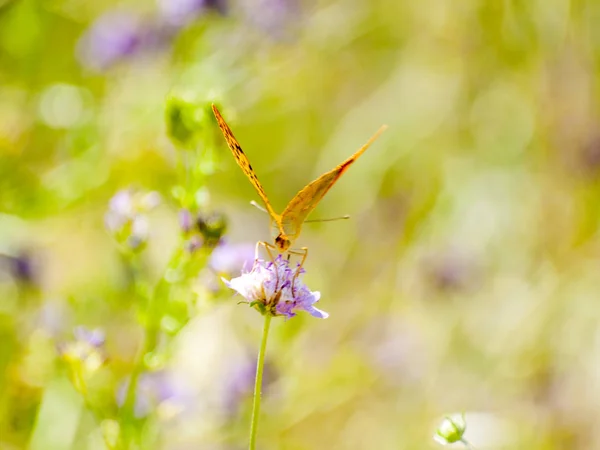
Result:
pixel 327 220
pixel 257 206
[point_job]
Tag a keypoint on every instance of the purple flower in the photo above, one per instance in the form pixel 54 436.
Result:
pixel 275 16
pixel 239 383
pixel 212 227
pixel 113 36
pixel 228 258
pixel 95 338
pixel 52 316
pixel 186 220
pixel 202 230
pixel 275 288
pixel 23 266
pixel 162 392
pixel 86 352
pixel 178 13
pixel 126 218
pixel 452 271
pixel 589 158
pixel 187 223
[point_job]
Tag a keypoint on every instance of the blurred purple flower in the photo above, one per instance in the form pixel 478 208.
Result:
pixel 589 163
pixel 230 258
pixel 202 229
pixel 193 244
pixel 21 266
pixel 212 227
pixel 239 383
pixel 162 392
pixel 113 36
pixel 451 271
pixel 178 13
pixel 275 16
pixel 126 219
pixel 94 338
pixel 225 259
pixel 218 5
pixel 119 34
pixel 86 352
pixel 398 352
pixel 186 221
pixel 274 288
pixel 52 317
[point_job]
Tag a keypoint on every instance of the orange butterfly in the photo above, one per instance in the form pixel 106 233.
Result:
pixel 286 227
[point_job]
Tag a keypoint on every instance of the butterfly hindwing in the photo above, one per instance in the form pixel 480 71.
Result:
pixel 305 201
pixel 309 197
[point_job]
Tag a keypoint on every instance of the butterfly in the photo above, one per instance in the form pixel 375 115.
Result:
pixel 286 226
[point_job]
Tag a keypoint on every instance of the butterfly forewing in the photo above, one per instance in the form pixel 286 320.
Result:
pixel 308 198
pixel 243 161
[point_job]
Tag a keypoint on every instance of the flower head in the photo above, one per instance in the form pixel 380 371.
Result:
pixel 21 266
pixel 212 227
pixel 126 218
pixel 275 288
pixel 87 348
pixel 162 392
pixel 187 118
pixel 276 17
pixel 180 12
pixel 227 258
pixel 202 230
pixel 451 430
pixel 84 356
pixel 112 37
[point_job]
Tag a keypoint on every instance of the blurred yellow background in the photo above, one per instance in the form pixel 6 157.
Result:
pixel 465 280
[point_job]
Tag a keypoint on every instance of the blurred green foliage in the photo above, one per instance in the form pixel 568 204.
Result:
pixel 466 280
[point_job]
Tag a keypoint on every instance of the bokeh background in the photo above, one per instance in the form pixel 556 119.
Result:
pixel 467 278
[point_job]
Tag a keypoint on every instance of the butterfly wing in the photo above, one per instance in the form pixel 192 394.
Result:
pixel 309 197
pixel 242 160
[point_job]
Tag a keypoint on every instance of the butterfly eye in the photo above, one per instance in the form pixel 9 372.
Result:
pixel 282 243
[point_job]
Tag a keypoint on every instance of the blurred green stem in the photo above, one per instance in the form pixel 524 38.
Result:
pixel 260 364
pixel 156 306
pixel 151 332
pixel 467 444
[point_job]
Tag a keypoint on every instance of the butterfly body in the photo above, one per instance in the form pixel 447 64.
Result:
pixel 286 227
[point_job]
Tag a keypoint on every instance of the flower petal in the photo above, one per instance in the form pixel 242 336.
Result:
pixel 278 288
pixel 316 312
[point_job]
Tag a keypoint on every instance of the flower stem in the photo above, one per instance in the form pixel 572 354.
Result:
pixel 153 314
pixel 260 364
pixel 467 444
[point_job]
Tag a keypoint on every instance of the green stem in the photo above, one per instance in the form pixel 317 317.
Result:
pixel 151 332
pixel 467 444
pixel 260 365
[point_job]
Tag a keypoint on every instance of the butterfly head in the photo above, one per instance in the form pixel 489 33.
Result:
pixel 282 242
pixel 280 235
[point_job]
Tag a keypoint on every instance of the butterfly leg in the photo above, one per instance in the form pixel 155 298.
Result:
pixel 300 252
pixel 258 244
pixel 268 247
